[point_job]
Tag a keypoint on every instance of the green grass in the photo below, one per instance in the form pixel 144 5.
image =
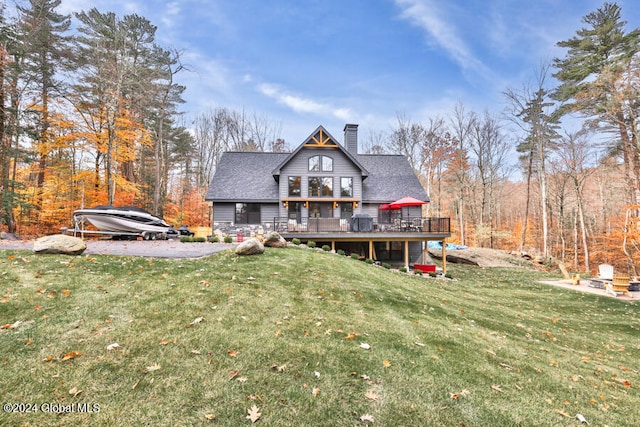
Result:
pixel 492 347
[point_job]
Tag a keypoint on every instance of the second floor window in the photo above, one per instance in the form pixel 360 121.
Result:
pixel 320 164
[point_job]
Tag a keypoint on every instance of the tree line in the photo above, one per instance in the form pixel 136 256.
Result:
pixel 92 116
pixel 578 198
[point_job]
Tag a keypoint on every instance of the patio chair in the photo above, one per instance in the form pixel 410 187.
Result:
pixel 619 285
pixel 605 272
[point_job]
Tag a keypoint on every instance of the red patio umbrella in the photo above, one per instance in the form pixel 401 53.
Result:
pixel 406 201
pixel 385 207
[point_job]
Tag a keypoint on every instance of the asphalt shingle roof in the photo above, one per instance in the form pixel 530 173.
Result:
pixel 390 178
pixel 247 177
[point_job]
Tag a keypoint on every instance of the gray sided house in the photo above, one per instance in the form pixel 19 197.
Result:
pixel 327 192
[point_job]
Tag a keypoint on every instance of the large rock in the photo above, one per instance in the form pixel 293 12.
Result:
pixel 273 239
pixel 7 236
pixel 250 246
pixel 59 244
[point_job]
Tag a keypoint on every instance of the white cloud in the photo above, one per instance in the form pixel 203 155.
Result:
pixel 171 11
pixel 426 15
pixel 300 104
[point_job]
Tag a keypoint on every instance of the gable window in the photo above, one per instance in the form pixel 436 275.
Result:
pixel 346 187
pixel 294 186
pixel 247 213
pixel 314 164
pixel 320 164
pixel 327 164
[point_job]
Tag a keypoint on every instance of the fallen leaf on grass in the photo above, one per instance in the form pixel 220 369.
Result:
pixel 371 396
pixel 365 346
pixel 113 346
pixel 152 368
pixel 195 352
pixel 232 353
pixel 277 368
pixel 210 417
pixel 367 418
pixel 195 321
pixel 165 342
pixel 386 363
pixel 317 374
pixel 497 388
pixel 563 413
pixel 74 391
pixel 72 355
pixel 315 391
pixel 254 414
pixel 350 336
pixel 582 419
pixel 233 375
pixel 623 382
pixel 11 325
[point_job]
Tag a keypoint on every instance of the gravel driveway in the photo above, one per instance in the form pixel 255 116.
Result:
pixel 144 248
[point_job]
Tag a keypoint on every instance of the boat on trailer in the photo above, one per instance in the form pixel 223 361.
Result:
pixel 122 222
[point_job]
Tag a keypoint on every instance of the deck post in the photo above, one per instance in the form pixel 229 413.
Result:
pixel 406 254
pixel 370 249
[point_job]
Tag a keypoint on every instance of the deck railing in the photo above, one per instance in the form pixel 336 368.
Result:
pixel 362 224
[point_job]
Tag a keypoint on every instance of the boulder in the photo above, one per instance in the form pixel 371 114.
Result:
pixel 273 239
pixel 7 236
pixel 250 246
pixel 59 244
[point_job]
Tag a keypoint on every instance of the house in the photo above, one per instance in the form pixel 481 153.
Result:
pixel 326 192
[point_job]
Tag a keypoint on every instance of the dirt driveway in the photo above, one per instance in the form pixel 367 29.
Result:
pixel 144 248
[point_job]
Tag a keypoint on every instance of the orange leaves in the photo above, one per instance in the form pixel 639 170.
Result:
pixel 72 355
pixel 65 357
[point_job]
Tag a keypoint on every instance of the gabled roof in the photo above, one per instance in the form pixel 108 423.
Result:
pixel 245 177
pixel 252 177
pixel 391 178
pixel 320 138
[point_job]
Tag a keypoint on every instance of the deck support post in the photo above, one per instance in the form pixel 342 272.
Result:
pixel 406 254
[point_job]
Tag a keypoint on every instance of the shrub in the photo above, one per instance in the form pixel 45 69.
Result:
pixel 432 274
pixel 368 261
pixel 186 239
pixel 214 239
pixel 341 252
pixel 355 256
pixel 448 276
pixel 295 241
pixel 418 272
pixel 228 239
pixel 326 248
pixel 199 239
pixel 386 265
pixel 311 244
pixel 403 269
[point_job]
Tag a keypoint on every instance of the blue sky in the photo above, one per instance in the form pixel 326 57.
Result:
pixel 307 63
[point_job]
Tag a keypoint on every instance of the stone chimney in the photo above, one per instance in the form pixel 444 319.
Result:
pixel 351 138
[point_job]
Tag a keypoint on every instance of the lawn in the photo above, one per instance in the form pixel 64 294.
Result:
pixel 299 337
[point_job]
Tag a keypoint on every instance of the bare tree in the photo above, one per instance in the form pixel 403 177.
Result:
pixel 489 147
pixel 462 124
